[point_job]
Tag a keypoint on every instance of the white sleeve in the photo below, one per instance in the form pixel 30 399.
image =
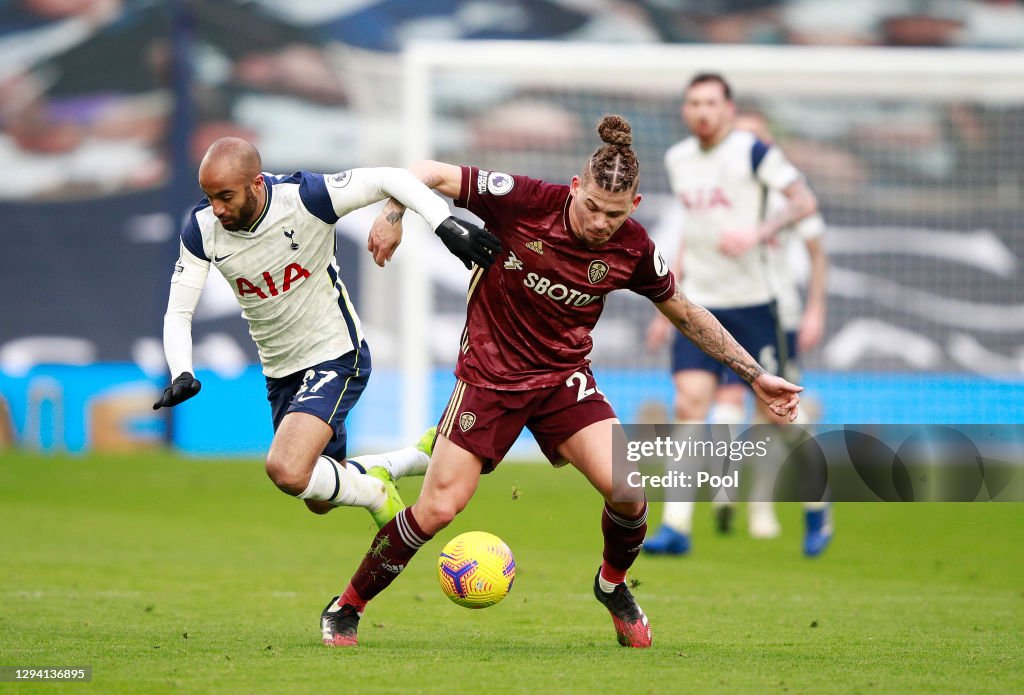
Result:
pixel 187 284
pixel 668 232
pixel 370 184
pixel 673 167
pixel 775 171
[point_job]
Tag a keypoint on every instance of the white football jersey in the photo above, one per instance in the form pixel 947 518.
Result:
pixel 283 270
pixel 724 188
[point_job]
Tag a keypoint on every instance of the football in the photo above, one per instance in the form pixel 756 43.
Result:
pixel 476 569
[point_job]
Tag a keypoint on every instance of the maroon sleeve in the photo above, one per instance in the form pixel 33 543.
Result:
pixel 492 195
pixel 652 277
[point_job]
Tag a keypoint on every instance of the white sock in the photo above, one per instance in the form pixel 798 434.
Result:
pixel 343 486
pixel 678 516
pixel 400 463
pixel 764 510
pixel 606 586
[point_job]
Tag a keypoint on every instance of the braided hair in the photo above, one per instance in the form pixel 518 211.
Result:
pixel 614 166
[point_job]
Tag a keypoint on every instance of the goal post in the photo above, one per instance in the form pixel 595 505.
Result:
pixel 662 69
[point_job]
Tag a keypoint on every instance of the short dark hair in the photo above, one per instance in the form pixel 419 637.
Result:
pixel 702 77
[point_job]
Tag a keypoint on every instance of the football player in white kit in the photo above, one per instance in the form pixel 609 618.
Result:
pixel 272 237
pixel 723 176
pixel 803 327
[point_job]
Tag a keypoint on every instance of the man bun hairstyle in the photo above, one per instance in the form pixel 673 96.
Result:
pixel 615 130
pixel 614 166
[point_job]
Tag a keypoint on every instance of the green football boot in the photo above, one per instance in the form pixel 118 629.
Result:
pixel 426 442
pixel 393 504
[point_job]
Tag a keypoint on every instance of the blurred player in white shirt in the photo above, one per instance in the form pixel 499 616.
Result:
pixel 725 179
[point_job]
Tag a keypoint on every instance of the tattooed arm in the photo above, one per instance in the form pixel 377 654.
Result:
pixel 386 233
pixel 705 331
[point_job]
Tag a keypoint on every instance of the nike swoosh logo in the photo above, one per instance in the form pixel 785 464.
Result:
pixel 303 399
pixel 218 259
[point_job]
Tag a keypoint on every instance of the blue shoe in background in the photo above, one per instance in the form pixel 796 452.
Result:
pixel 667 541
pixel 817 530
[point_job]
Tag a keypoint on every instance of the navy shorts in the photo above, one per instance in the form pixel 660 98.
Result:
pixel 327 390
pixel 753 327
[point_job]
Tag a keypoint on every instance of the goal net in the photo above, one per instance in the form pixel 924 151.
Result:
pixel 917 158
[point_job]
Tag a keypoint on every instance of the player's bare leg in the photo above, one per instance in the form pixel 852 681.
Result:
pixel 295 464
pixel 297 443
pixel 450 482
pixel 623 523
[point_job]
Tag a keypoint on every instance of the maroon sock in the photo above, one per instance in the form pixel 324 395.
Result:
pixel 623 538
pixel 392 548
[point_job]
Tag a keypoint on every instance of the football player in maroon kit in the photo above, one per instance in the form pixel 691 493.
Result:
pixel 523 359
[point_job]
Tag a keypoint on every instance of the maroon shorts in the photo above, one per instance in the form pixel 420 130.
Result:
pixel 487 422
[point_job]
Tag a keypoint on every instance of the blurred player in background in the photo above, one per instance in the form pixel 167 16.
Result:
pixel 273 239
pixel 804 326
pixel 723 176
pixel 523 361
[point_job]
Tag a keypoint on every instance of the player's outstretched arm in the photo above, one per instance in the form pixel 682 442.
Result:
pixel 444 178
pixel 468 242
pixel 707 333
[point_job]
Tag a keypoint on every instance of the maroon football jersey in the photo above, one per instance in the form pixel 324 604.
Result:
pixel 529 316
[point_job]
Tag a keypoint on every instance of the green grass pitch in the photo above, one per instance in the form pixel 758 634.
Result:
pixel 174 575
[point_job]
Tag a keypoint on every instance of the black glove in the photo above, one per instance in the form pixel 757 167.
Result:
pixel 469 243
pixel 181 389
